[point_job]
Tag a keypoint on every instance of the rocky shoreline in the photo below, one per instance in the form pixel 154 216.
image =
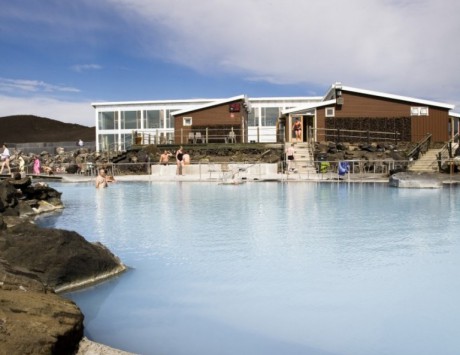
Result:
pixel 37 263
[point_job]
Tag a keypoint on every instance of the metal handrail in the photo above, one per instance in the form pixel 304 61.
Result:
pixel 421 147
pixel 446 153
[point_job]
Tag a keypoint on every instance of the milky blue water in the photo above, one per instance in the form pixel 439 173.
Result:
pixel 271 268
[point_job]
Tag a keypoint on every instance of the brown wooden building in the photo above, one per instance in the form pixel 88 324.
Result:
pixel 350 109
pixel 220 121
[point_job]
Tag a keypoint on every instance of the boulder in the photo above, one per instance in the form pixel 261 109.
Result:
pixel 34 322
pixel 18 197
pixel 60 259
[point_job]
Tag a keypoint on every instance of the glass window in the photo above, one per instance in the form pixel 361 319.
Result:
pixel 270 115
pixel 126 141
pixel 152 119
pixel 108 120
pixel 330 111
pixel 108 142
pixel 131 119
pixel 253 118
pixel 187 121
pixel 169 121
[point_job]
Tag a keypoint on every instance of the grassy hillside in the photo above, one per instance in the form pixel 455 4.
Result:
pixel 28 128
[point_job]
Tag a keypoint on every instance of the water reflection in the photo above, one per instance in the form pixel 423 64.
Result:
pixel 269 268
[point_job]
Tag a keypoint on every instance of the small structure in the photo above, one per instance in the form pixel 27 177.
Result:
pixel 344 108
pixel 220 121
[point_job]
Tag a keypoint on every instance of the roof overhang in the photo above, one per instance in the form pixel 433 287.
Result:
pixel 307 107
pixel 338 86
pixel 152 102
pixel 213 104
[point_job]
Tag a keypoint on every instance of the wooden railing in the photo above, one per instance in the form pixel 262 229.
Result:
pixel 347 135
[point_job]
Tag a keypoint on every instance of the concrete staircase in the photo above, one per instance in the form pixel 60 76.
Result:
pixel 426 162
pixel 303 161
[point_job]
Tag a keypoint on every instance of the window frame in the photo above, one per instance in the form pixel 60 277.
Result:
pixel 187 121
pixel 329 112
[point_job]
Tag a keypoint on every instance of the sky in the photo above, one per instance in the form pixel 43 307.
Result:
pixel 58 57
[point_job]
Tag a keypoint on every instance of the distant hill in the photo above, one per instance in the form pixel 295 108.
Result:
pixel 29 128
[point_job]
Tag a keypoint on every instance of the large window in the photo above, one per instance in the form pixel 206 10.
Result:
pixel 270 115
pixel 152 119
pixel 131 119
pixel 169 121
pixel 108 142
pixel 253 118
pixel 108 120
pixel 126 141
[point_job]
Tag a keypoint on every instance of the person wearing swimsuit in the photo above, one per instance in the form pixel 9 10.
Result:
pixel 298 130
pixel 179 160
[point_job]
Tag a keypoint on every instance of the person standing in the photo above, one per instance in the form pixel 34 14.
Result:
pixel 290 157
pixel 36 166
pixel 164 158
pixel 297 128
pixel 185 161
pixel 179 160
pixel 5 159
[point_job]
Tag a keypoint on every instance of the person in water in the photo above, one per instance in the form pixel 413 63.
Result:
pixel 101 179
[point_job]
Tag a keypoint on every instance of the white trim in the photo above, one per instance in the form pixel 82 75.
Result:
pixel 287 98
pixel 187 121
pixel 332 113
pixel 153 102
pixel 306 107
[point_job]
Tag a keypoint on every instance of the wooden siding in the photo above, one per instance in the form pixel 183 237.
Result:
pixel 216 116
pixel 365 106
pixel 321 123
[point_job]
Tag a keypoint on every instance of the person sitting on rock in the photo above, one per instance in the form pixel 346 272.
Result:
pixel 48 170
pixel 21 163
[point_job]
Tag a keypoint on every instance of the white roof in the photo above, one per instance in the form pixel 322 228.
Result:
pixel 310 106
pixel 210 104
pixel 287 98
pixel 454 114
pixel 389 96
pixel 126 103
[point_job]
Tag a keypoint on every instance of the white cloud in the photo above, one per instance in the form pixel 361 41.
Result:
pixel 404 47
pixel 84 67
pixel 65 111
pixel 19 85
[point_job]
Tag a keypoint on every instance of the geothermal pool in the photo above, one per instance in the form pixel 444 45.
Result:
pixel 271 268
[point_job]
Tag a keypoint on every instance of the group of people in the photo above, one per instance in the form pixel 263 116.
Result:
pixel 182 159
pixel 297 129
pixel 6 156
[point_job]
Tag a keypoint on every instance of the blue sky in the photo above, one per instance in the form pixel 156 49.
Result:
pixel 57 57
